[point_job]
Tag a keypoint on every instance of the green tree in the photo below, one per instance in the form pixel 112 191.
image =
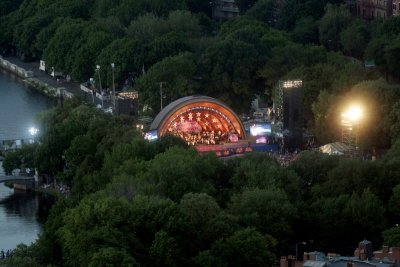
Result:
pixel 268 210
pixel 22 256
pixel 246 247
pixel 305 31
pixel 97 229
pixel 124 54
pixel 264 10
pixel 85 56
pixel 354 38
pixel 177 74
pixel 391 236
pixel 259 171
pixel 112 257
pixel 334 21
pixel 62 46
pixel 146 28
pixel 367 216
pixel 178 171
pixel 163 250
pixel 392 57
pixel 8 6
pixel 199 211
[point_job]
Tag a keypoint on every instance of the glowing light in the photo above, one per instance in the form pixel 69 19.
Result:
pixel 353 114
pixel 33 131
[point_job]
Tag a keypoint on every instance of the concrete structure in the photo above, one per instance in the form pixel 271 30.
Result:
pixel 20 182
pixel 192 117
pixel 29 78
pixel 225 9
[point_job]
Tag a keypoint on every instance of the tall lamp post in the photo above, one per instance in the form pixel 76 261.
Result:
pixel 113 92
pixel 33 131
pixel 350 126
pixel 101 90
pixel 161 94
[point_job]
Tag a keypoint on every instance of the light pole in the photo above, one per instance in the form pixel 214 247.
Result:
pixel 33 131
pixel 161 94
pixel 92 89
pixel 113 92
pixel 101 90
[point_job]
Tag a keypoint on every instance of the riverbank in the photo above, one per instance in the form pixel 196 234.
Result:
pixel 29 77
pixel 30 73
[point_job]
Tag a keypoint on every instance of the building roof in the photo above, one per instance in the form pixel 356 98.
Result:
pixel 166 112
pixel 311 263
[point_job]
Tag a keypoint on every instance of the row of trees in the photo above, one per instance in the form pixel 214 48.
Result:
pixel 177 43
pixel 162 204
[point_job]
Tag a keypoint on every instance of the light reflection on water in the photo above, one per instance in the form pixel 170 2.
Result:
pixel 18 107
pixel 21 213
pixel 18 218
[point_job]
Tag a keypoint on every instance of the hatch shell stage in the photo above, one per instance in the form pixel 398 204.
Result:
pixel 200 121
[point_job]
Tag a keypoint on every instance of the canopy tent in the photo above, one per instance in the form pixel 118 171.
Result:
pixel 336 148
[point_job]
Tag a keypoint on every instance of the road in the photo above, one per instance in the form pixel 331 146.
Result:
pixel 72 86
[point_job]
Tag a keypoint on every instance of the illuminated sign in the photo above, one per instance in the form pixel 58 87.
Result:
pixel 130 94
pixel 292 84
pixel 260 129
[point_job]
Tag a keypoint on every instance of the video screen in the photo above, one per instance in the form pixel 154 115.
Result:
pixel 150 136
pixel 260 129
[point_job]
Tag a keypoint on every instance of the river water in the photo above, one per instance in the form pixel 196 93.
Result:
pixel 22 214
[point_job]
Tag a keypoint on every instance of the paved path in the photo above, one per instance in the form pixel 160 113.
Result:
pixel 15 178
pixel 72 86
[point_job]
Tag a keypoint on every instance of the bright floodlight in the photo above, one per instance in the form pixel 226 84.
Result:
pixel 33 130
pixel 353 114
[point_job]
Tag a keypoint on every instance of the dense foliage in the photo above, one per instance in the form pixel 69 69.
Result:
pixel 177 43
pixel 135 203
pixel 162 204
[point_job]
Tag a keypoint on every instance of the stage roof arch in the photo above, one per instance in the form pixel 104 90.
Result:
pixel 198 114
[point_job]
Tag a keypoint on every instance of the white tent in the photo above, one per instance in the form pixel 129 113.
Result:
pixel 336 148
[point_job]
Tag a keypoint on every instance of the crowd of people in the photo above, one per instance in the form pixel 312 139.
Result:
pixel 287 158
pixel 203 138
pixel 58 187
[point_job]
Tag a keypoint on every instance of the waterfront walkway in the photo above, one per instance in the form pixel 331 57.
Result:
pixel 72 87
pixel 15 178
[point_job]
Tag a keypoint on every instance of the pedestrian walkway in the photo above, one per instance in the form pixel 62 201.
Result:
pixel 70 86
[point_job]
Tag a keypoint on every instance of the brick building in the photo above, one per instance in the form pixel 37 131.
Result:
pixel 373 9
pixel 388 253
pixel 395 7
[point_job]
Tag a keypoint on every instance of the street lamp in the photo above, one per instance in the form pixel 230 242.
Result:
pixel 92 89
pixel 161 94
pixel 113 93
pixel 33 131
pixel 101 90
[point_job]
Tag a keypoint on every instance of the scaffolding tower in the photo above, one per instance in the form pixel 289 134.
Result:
pixel 350 137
